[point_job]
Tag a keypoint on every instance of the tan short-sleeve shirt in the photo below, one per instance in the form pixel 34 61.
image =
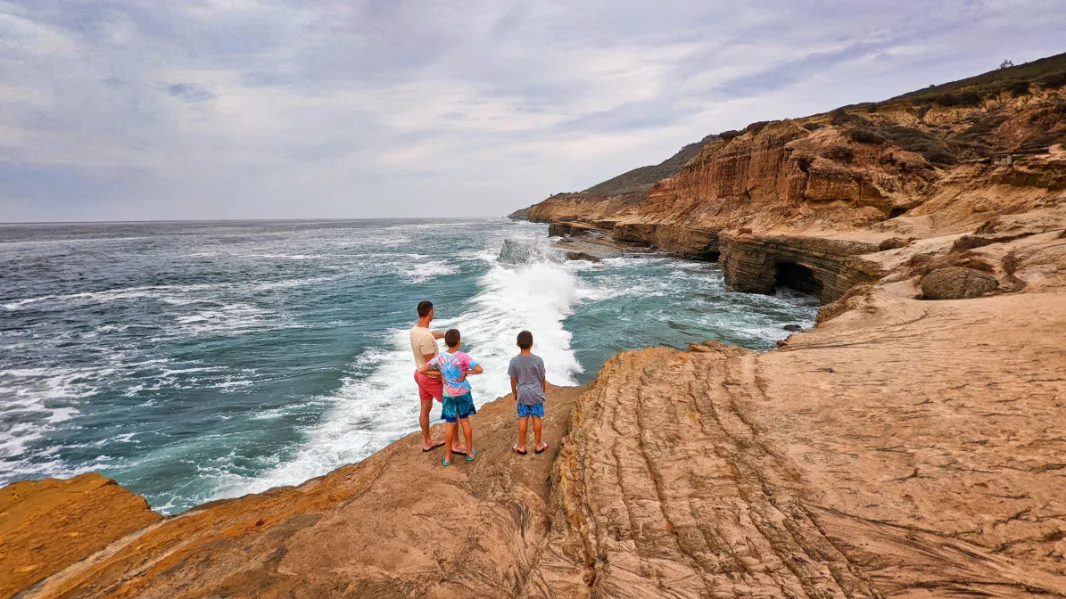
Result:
pixel 422 343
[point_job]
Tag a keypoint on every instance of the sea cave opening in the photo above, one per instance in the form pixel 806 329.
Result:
pixel 798 277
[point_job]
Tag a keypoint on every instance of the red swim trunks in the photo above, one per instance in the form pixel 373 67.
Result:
pixel 429 387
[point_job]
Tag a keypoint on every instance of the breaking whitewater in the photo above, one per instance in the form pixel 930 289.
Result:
pixel 196 361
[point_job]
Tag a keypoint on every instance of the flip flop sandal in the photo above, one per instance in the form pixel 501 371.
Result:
pixel 445 462
pixel 515 449
pixel 441 444
pixel 454 452
pixel 473 454
pixel 541 450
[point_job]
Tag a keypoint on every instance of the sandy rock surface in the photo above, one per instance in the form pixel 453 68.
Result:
pixel 48 525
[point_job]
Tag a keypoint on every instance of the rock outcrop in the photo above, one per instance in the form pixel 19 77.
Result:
pixel 48 525
pixel 901 448
pixel 957 282
pixel 877 176
pixel 890 452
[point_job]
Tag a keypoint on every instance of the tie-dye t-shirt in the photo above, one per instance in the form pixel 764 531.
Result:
pixel 452 367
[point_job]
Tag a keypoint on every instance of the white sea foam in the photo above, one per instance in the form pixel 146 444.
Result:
pixel 422 271
pixel 370 411
pixel 35 400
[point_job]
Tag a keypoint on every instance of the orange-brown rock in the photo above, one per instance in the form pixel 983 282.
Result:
pixel 904 449
pixel 396 525
pixel 899 170
pixel 48 525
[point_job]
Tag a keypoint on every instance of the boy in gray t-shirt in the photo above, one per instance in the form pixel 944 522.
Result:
pixel 528 384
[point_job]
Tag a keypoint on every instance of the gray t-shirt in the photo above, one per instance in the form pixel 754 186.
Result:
pixel 529 370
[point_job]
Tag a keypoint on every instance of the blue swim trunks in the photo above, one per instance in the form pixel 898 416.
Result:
pixel 536 409
pixel 456 408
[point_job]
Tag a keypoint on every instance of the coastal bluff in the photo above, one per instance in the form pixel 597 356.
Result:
pixel 902 448
pixel 911 445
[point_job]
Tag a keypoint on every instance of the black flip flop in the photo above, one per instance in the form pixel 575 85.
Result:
pixel 514 448
pixel 441 444
pixel 539 451
pixel 458 452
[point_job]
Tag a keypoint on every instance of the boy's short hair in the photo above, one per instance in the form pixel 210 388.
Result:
pixel 424 308
pixel 525 340
pixel 451 338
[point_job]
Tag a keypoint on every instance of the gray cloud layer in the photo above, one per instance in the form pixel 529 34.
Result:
pixel 136 109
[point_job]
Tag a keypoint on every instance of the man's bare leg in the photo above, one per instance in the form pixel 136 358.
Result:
pixel 537 427
pixel 423 421
pixel 523 430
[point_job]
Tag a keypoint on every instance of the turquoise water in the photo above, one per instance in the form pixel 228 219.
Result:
pixel 196 361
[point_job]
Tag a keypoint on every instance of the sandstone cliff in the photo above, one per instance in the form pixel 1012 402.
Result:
pixel 902 448
pixel 795 202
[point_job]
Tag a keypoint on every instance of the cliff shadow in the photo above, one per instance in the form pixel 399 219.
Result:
pixel 798 277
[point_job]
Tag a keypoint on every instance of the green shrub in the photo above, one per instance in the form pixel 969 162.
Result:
pixel 729 135
pixel 756 127
pixel 940 156
pixel 1019 89
pixel 1054 81
pixel 865 136
pixel 965 99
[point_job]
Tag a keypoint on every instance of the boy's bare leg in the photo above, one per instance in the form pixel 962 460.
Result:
pixel 449 434
pixel 523 430
pixel 537 427
pixel 468 432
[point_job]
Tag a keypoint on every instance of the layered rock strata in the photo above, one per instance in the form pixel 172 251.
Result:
pixel 892 451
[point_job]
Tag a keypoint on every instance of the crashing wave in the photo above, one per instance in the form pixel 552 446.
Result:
pixel 528 251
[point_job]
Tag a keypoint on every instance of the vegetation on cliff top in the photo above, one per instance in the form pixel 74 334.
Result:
pixel 640 179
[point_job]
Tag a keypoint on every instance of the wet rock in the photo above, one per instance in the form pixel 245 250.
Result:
pixel 956 282
pixel 581 256
pixel 792 328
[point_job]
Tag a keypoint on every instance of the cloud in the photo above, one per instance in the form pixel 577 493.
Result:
pixel 133 109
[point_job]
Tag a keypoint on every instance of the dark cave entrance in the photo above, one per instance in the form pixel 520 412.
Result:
pixel 897 212
pixel 798 277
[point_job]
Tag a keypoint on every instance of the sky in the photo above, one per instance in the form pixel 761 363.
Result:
pixel 220 109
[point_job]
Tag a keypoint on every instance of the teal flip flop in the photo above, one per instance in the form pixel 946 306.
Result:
pixel 445 462
pixel 473 454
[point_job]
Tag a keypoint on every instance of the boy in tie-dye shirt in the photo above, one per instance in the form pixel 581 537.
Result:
pixel 454 366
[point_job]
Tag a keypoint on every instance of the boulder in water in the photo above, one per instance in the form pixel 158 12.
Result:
pixel 792 328
pixel 581 256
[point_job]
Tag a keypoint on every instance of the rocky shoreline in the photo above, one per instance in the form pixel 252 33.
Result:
pixel 903 447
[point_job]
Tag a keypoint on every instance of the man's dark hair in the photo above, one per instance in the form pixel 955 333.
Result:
pixel 451 338
pixel 525 340
pixel 424 308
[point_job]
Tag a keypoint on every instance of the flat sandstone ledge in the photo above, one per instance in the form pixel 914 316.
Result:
pixel 901 449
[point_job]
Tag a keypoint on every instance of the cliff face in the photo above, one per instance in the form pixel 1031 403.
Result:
pixel 902 448
pixel 794 202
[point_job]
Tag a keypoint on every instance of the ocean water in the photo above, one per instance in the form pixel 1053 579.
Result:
pixel 197 361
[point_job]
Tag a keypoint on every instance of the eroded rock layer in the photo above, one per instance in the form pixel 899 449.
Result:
pixel 813 192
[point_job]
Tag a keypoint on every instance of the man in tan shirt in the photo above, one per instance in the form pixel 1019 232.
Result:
pixel 430 387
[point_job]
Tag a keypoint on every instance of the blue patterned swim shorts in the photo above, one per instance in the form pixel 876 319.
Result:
pixel 457 408
pixel 536 409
